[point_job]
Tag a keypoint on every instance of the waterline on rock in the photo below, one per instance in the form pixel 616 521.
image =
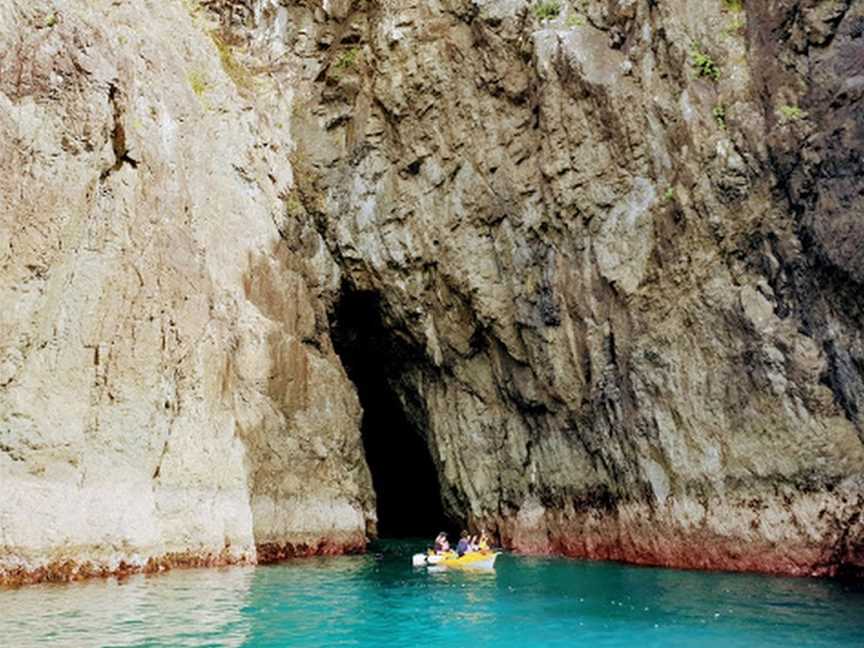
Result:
pixel 379 599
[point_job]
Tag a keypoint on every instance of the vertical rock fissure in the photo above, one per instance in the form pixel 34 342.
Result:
pixel 395 441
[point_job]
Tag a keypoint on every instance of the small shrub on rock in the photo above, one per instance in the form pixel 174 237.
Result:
pixel 719 113
pixel 704 65
pixel 791 113
pixel 547 9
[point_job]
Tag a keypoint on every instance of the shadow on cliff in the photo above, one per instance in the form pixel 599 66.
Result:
pixel 820 171
pixel 403 473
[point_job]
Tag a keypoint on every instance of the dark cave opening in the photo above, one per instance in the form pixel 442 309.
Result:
pixel 403 472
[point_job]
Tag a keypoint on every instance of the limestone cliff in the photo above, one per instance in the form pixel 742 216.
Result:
pixel 168 393
pixel 615 249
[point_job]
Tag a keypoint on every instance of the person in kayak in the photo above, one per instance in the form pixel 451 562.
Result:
pixel 483 543
pixel 464 545
pixel 442 545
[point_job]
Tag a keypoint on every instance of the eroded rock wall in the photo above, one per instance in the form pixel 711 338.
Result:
pixel 625 242
pixel 168 393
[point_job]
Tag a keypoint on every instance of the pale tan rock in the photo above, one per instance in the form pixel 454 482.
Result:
pixel 156 329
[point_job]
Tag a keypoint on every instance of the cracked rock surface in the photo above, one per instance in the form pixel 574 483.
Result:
pixel 168 393
pixel 618 250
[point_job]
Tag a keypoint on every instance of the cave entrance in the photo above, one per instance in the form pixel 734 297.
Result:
pixel 403 473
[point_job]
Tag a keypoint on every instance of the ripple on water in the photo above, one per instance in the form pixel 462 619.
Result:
pixel 379 599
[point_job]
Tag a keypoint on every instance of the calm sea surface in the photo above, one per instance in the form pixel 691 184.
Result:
pixel 380 600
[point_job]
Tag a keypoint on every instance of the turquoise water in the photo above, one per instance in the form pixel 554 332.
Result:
pixel 379 600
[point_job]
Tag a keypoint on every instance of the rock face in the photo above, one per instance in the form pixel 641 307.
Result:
pixel 616 253
pixel 167 386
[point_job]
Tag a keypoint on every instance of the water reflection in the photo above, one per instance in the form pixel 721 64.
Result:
pixel 667 607
pixel 181 608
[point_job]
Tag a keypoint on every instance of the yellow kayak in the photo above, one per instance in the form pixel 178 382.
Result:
pixel 471 560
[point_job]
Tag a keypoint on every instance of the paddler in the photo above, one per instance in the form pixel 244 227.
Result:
pixel 483 544
pixel 464 546
pixel 442 545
